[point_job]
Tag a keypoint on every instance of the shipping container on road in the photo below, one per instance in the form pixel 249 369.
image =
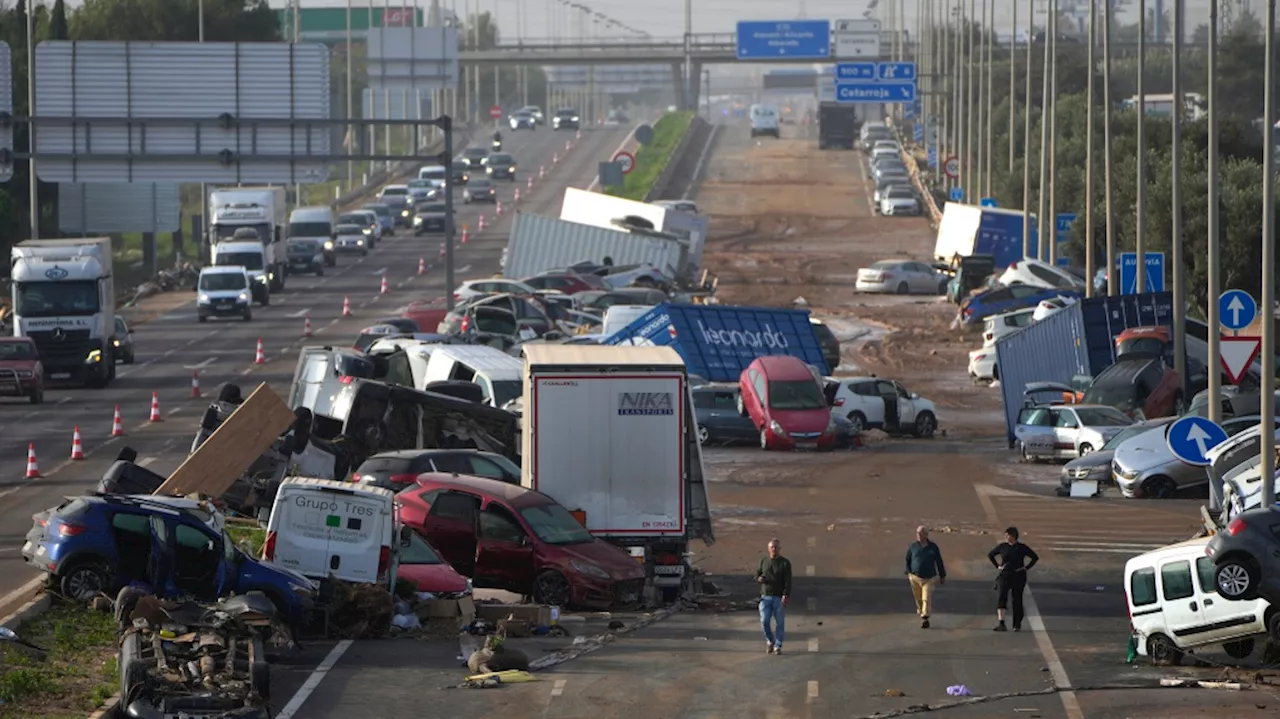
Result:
pixel 538 244
pixel 972 230
pixel 1076 340
pixel 718 342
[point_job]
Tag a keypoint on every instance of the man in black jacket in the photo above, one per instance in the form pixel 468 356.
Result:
pixel 925 570
pixel 1011 557
pixel 774 577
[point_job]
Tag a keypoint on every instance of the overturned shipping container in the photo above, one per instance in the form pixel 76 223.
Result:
pixel 538 244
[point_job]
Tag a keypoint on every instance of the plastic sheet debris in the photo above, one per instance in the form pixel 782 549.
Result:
pixel 959 690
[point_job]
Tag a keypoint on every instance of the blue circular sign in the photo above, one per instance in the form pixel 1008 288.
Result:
pixel 1191 438
pixel 1236 309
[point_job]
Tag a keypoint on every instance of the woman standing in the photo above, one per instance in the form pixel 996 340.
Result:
pixel 1010 558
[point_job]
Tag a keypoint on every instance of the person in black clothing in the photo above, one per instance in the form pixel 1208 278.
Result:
pixel 1011 557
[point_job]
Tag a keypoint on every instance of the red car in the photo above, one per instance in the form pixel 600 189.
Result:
pixel 568 283
pixel 21 373
pixel 420 564
pixel 784 399
pixel 508 537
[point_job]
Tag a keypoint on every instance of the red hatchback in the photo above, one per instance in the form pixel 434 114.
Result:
pixel 512 538
pixel 783 398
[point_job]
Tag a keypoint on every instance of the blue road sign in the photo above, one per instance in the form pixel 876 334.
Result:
pixel 957 194
pixel 987 202
pixel 770 40
pixel 919 106
pixel 1129 272
pixel 877 82
pixel 1064 261
pixel 875 93
pixel 1236 309
pixel 1064 225
pixel 933 156
pixel 896 72
pixel 917 133
pixel 855 71
pixel 909 111
pixel 1191 438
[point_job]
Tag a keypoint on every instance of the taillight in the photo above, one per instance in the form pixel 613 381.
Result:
pixel 384 560
pixel 38 520
pixel 1237 526
pixel 403 478
pixel 888 276
pixel 71 530
pixel 839 402
pixel 346 379
pixel 269 547
pixel 466 324
pixel 667 559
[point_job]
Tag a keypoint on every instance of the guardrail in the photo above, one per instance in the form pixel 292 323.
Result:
pixel 917 178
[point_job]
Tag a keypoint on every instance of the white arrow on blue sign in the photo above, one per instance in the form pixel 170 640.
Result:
pixel 1236 309
pixel 957 194
pixel 987 202
pixel 897 71
pixel 1191 438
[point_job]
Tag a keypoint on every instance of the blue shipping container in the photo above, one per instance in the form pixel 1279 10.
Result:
pixel 1000 234
pixel 718 342
pixel 1077 340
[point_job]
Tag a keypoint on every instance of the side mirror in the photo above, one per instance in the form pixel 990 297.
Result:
pixel 524 540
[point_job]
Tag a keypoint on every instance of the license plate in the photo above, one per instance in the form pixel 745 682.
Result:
pixel 223 307
pixel 806 445
pixel 669 569
pixel 60 375
pixel 300 263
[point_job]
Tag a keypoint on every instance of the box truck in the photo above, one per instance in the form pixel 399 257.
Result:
pixel 609 432
pixel 262 210
pixel 971 230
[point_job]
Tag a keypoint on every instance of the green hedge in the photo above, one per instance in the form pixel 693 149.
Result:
pixel 651 158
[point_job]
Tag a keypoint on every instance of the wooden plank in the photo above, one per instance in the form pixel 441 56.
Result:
pixel 229 451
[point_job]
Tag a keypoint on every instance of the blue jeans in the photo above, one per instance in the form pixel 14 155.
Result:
pixel 771 609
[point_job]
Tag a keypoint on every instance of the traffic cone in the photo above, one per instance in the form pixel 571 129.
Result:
pixel 480 224
pixel 33 468
pixel 422 261
pixel 117 424
pixel 465 235
pixel 261 356
pixel 155 409
pixel 577 135
pixel 346 306
pixel 568 146
pixel 516 196
pixel 555 158
pixel 497 208
pixel 382 290
pixel 306 326
pixel 195 384
pixel 528 186
pixel 442 250
pixel 77 451
pixel 542 171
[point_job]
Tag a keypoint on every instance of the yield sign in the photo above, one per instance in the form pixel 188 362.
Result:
pixel 1237 353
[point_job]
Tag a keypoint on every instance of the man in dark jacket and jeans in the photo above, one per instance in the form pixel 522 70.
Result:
pixel 925 570
pixel 774 578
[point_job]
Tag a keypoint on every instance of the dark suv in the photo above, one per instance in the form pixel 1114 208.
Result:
pixel 565 119
pixel 1246 557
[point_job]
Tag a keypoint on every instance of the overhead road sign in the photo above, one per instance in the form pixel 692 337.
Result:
pixel 172 112
pixel 855 71
pixel 118 208
pixel 875 82
pixel 896 72
pixel 875 93
pixel 1237 354
pixel 957 194
pixel 790 39
pixel 1129 272
pixel 857 38
pixel 1191 438
pixel 412 58
pixel 1236 309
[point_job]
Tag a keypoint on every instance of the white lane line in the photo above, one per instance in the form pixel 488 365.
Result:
pixel 64 400
pixel 147 461
pixel 811 542
pixel 558 688
pixel 382 271
pixel 245 371
pixel 300 313
pixel 201 364
pixel 810 571
pixel 811 604
pixel 811 695
pixel 464 268
pixel 313 681
pixel 813 644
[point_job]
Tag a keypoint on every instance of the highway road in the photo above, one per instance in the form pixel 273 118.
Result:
pixel 170 347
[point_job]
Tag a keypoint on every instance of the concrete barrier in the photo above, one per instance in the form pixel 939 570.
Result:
pixel 673 160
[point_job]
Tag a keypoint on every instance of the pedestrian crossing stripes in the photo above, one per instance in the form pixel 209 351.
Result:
pixel 1097 527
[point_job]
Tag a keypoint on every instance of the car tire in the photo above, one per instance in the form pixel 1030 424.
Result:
pixel 859 421
pixel 266 299
pixel 926 425
pixel 248 315
pixel 903 288
pixel 551 587
pixel 259 668
pixel 1236 578
pixel 84 580
pixel 704 435
pixel 764 440
pixel 37 395
pixel 1163 651
pixel 364 253
pixel 1239 649
pixel 1085 449
pixel 1159 487
pixel 128 359
pixel 202 318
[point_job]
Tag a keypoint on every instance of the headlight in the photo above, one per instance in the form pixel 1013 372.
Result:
pixel 404 213
pixel 489 170
pixel 328 245
pixel 261 278
pixel 777 429
pixel 203 299
pixel 590 570
pixel 244 297
pixel 575 119
pixel 95 356
pixel 115 343
pixel 360 243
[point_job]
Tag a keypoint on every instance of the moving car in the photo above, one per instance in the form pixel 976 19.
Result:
pixel 385 217
pixel 429 217
pixel 899 200
pixel 501 166
pixel 876 403
pixel 351 238
pixel 522 120
pixel 223 291
pixel 475 156
pixel 764 121
pixel 1066 431
pixel 507 537
pixel 782 396
pixel 398 198
pixel 366 220
pixel 400 469
pixel 21 372
pixel 480 190
pixel 901 277
pixel 566 118
pixel 536 112
pixel 308 255
pixel 123 342
pixel 886 180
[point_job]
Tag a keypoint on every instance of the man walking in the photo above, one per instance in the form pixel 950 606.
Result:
pixel 774 578
pixel 925 570
pixel 1010 558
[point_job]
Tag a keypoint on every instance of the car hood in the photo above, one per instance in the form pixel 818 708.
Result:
pixel 616 562
pixel 18 364
pixel 438 578
pixel 223 294
pixel 1148 449
pixel 801 420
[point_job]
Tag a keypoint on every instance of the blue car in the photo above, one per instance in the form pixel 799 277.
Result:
pixel 1007 299
pixel 97 543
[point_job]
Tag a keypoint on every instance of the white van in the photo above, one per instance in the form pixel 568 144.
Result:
pixel 313 223
pixel 322 528
pixel 764 120
pixel 1174 605
pixel 435 174
pixel 619 316
pixel 499 375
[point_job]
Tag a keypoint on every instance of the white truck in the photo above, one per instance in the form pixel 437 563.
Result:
pixel 64 299
pixel 600 210
pixel 262 210
pixel 610 433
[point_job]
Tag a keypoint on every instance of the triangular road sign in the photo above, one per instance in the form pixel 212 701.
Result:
pixel 1237 353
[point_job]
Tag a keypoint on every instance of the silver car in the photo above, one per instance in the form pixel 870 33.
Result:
pixel 1097 464
pixel 1067 431
pixel 1144 466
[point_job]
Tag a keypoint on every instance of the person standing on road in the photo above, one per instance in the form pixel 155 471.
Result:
pixel 925 570
pixel 1011 557
pixel 774 578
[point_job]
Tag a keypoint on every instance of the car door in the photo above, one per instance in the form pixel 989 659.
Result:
pixel 484 467
pixel 907 409
pixel 1066 432
pixel 889 401
pixel 450 526
pixel 726 421
pixel 1035 430
pixel 504 551
pixel 867 400
pixel 1183 613
pixel 1223 619
pixel 755 401
pixel 197 560
pixel 921 278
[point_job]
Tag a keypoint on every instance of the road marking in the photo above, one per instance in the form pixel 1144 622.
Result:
pixel 23 594
pixel 812 542
pixel 28 415
pixel 300 313
pixel 382 271
pixel 64 400
pixel 811 695
pixel 313 681
pixel 809 570
pixel 147 461
pixel 813 644
pixel 203 363
pixel 558 688
pixel 464 268
pixel 811 604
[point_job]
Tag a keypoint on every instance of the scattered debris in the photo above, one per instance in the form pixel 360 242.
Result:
pixel 959 690
pixel 894 693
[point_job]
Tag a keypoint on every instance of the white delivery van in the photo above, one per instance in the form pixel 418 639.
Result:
pixel 499 375
pixel 323 528
pixel 1174 605
pixel 315 223
pixel 764 120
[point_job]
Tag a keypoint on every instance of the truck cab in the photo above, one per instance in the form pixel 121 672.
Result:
pixel 244 250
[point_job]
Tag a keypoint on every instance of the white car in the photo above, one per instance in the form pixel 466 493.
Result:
pixel 900 277
pixel 1066 431
pixel 877 152
pixel 899 200
pixel 471 289
pixel 995 327
pixel 1048 307
pixel 982 364
pixel 1035 273
pixel 877 403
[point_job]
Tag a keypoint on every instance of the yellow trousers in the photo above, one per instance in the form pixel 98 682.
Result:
pixel 922 590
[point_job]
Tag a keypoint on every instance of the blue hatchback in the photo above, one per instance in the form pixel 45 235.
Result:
pixel 98 543
pixel 1007 299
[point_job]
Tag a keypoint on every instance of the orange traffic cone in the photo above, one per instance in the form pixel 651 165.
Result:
pixel 155 409
pixel 480 224
pixel 306 326
pixel 555 158
pixel 516 196
pixel 528 185
pixel 497 208
pixel 465 235
pixel 195 384
pixel 382 290
pixel 260 357
pixel 33 468
pixel 422 261
pixel 577 135
pixel 568 146
pixel 346 306
pixel 77 451
pixel 542 171
pixel 117 424
pixel 442 250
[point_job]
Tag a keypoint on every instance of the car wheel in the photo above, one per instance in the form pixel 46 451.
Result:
pixel 859 422
pixel 202 318
pixel 995 371
pixel 1085 449
pixel 1159 487
pixel 764 439
pixel 1239 649
pixel 926 425
pixel 704 434
pixel 1236 578
pixel 248 315
pixel 84 581
pixel 902 288
pixel 128 359
pixel 552 588
pixel 266 299
pixel 1162 651
pixel 37 395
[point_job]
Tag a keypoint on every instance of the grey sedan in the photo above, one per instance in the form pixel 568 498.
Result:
pixel 718 419
pixel 1097 465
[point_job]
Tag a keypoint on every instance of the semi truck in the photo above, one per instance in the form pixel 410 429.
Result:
pixel 972 230
pixel 64 299
pixel 610 433
pixel 838 125
pixel 262 210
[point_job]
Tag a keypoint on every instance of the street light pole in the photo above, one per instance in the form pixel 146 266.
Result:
pixel 1109 215
pixel 1013 75
pixel 1211 259
pixel 1175 241
pixel 1051 222
pixel 984 117
pixel 1268 300
pixel 970 181
pixel 990 34
pixel 688 54
pixel 1140 205
pixel 1046 226
pixel 1089 260
pixel 1026 138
